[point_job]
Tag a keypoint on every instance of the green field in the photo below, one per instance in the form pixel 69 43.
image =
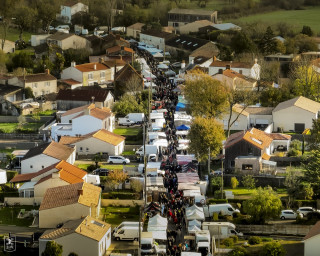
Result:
pixel 296 18
pixel 11 127
pixel 115 215
pixel 13 35
pixel 127 131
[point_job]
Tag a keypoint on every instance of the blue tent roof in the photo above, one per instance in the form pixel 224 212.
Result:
pixel 183 128
pixel 180 105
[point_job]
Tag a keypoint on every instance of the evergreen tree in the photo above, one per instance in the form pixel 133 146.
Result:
pixel 268 44
pixel 307 31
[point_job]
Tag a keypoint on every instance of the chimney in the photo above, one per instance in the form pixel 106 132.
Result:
pixel 87 111
pixel 95 66
pixel 183 64
pixel 100 60
pixel 220 71
pixel 80 192
pixel 73 64
pixel 228 66
pixel 47 71
pixel 214 58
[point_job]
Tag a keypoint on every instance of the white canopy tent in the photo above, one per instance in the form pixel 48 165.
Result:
pixel 193 229
pixel 195 223
pixel 157 223
pixel 195 215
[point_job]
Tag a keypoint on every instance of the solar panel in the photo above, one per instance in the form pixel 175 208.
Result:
pixel 97 223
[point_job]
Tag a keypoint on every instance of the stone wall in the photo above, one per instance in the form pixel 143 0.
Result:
pixel 295 230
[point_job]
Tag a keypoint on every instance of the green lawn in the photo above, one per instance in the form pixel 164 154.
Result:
pixel 8 215
pixel 13 35
pixel 243 193
pixel 115 215
pixel 11 127
pixel 128 153
pixel 127 131
pixel 296 18
pixel 106 166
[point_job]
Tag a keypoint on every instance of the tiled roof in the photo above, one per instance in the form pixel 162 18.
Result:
pixel 100 113
pixel 300 102
pixel 90 67
pixel 157 33
pixel 208 50
pixel 231 63
pixel 71 194
pixel 238 108
pixel 191 11
pixel 100 95
pixel 75 110
pixel 70 82
pixel 117 48
pixel 126 72
pixel 259 110
pixel 279 136
pixel 41 77
pixel 70 173
pixel 136 26
pixel 59 36
pixel 257 138
pixel 265 156
pixel 70 3
pixel 44 179
pixel 58 151
pixel 234 138
pixel 314 231
pixel 67 140
pixel 108 137
pixel 88 227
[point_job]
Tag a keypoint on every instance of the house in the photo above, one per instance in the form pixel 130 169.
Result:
pixel 254 165
pixel 184 45
pixel 45 155
pixel 253 142
pixel 70 8
pixel 242 121
pixel 41 83
pixel 98 45
pixel 134 30
pixel 127 76
pixel 69 99
pixel 119 51
pixel 37 40
pixel 234 80
pixel 295 114
pixel 311 241
pixel 83 120
pixel 59 174
pixel 67 41
pixel 88 73
pixel 64 84
pixel 179 17
pixel 10 93
pixel 156 38
pixel 118 60
pixel 69 202
pixel 193 27
pixel 96 142
pixel 220 27
pixel 208 50
pixel 8 47
pixel 85 236
pixel 260 117
pixel 240 67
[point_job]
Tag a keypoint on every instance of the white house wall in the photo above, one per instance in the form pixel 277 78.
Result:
pixel 41 188
pixel 152 40
pixel 286 118
pixel 37 163
pixel 86 124
pixel 254 118
pixel 311 246
pixel 240 125
pixel 93 146
pixel 73 73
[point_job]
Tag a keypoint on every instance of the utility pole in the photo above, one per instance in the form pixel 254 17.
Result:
pixel 221 178
pixel 209 160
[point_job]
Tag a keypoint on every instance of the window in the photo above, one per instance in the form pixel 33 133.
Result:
pixel 230 209
pixel 87 149
pixel 236 123
pixel 90 76
pixel 47 83
pixel 225 122
pixel 247 167
pixel 34 85
pixel 121 232
pixel 42 166
pixel 31 166
pixel 240 71
pixel 102 74
pixel 80 149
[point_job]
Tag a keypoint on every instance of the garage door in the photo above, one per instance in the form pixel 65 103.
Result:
pixel 299 127
pixel 262 121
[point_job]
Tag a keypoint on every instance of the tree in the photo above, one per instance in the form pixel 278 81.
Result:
pixel 312 172
pixel 306 30
pixel 79 56
pixel 3 60
pixel 127 104
pixel 234 182
pixel 314 138
pixel 270 71
pixel 46 12
pixel 7 7
pixel 242 43
pixel 52 249
pixel 268 44
pixel 238 251
pixel 28 93
pixel 97 158
pixel 216 183
pixel 59 63
pixel 263 204
pixel 22 121
pixel 305 43
pixel 206 96
pixel 205 133
pixel 116 177
pixel 273 249
pixel 10 158
pixel 136 185
pixel 24 18
pixel 248 182
pixel 292 182
pixel 134 85
pixel 22 60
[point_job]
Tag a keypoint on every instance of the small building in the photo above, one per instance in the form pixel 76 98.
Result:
pixel 208 50
pixel 156 38
pixel 93 143
pixel 70 8
pixel 9 46
pixel 85 236
pixel 220 27
pixel 179 17
pixel 254 165
pixel 296 114
pixel 70 202
pixel 217 67
pixel 260 117
pixel 69 99
pixel 134 30
pixel 193 27
pixel 311 241
pixel 45 155
pixel 67 41
pixel 37 40
pixel 119 51
pixel 242 119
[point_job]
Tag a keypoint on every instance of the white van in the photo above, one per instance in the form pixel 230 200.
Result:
pixel 127 233
pixel 126 224
pixel 224 209
pixel 66 27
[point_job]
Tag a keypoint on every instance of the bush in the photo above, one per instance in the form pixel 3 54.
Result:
pixel 92 167
pixel 215 216
pixel 267 239
pixel 228 242
pixel 313 216
pixel 238 251
pixel 254 240
pixel 217 201
pixel 273 248
pixel 293 152
pixel 120 195
pixel 234 182
pixel 235 238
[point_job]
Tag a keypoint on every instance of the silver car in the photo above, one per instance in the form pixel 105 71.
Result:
pixel 289 215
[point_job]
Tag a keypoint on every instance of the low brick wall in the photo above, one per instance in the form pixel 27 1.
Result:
pixel 296 230
pixel 117 202
pixel 22 200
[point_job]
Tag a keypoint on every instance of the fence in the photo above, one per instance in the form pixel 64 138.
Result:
pixel 295 230
pixel 20 136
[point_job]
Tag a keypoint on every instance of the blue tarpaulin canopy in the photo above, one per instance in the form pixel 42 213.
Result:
pixel 180 105
pixel 183 128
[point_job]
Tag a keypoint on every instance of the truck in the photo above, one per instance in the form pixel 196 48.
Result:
pixel 125 122
pixel 150 149
pixel 203 242
pixel 221 230
pixel 224 209
pixel 150 246
pixel 126 224
pixel 138 118
pixel 127 233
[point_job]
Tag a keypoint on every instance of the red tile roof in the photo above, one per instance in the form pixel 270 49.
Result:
pixel 231 63
pixel 90 67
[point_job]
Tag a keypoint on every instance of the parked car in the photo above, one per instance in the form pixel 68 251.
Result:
pixel 217 172
pixel 176 65
pixel 118 160
pixel 289 214
pixel 305 210
pixel 101 172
